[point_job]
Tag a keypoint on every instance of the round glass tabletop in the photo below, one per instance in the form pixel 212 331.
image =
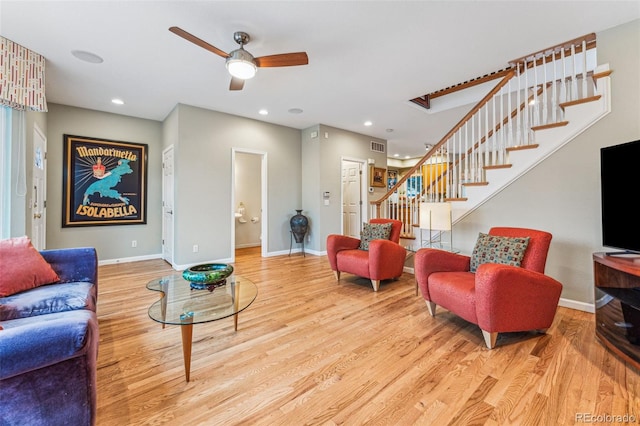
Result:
pixel 180 304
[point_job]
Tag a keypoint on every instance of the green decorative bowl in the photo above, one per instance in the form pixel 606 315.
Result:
pixel 207 275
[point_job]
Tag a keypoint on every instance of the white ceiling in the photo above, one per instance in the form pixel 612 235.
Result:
pixel 366 58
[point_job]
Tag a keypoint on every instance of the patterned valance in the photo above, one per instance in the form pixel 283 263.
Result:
pixel 21 77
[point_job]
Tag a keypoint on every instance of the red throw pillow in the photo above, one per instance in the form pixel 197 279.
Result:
pixel 22 267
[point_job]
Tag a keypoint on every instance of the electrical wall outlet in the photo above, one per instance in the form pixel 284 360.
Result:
pixel 134 243
pixel 195 248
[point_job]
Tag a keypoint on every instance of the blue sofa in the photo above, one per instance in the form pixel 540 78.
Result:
pixel 49 346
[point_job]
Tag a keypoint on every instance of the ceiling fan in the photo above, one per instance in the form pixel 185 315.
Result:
pixel 241 64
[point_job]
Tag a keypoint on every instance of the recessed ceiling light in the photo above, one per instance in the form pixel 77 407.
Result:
pixel 263 112
pixel 396 155
pixel 407 157
pixel 368 123
pixel 295 110
pixel 85 56
pixel 117 101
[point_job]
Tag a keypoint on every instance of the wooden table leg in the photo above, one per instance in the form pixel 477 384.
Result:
pixel 236 301
pixel 187 338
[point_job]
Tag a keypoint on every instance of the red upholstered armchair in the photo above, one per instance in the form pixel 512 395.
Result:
pixel 384 259
pixel 499 298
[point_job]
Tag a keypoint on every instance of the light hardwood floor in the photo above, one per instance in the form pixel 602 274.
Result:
pixel 312 351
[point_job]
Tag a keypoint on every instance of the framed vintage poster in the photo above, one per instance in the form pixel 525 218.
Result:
pixel 104 182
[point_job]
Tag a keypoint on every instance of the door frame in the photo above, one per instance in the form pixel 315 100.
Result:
pixel 264 235
pixel 364 190
pixel 37 132
pixel 172 224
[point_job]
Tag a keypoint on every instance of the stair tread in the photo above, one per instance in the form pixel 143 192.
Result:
pixel 550 125
pixel 498 166
pixel 563 105
pixel 520 147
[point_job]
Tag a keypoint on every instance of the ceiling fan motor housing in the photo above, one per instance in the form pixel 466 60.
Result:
pixel 241 37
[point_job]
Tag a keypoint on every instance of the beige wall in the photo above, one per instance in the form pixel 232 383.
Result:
pixel 322 172
pixel 111 242
pixel 203 187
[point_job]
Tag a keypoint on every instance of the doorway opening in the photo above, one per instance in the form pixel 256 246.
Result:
pixel 249 201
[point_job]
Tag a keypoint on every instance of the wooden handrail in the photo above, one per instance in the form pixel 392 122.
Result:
pixel 590 40
pixel 451 132
pixel 424 100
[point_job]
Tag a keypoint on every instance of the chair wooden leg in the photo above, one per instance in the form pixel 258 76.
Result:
pixel 542 330
pixel 376 284
pixel 432 308
pixel 337 275
pixel 490 338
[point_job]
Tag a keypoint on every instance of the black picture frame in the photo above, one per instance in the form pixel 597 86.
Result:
pixel 104 182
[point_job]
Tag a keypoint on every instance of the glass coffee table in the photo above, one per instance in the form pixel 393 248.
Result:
pixel 181 305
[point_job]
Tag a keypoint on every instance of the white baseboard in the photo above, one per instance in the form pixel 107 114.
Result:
pixel 129 259
pixel 296 251
pixel 248 245
pixel 574 304
pixel 204 262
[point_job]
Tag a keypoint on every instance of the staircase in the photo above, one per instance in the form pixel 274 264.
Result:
pixel 542 102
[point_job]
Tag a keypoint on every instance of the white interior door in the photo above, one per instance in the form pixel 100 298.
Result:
pixel 39 190
pixel 351 198
pixel 167 205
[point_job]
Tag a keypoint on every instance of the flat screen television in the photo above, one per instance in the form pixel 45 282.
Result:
pixel 619 173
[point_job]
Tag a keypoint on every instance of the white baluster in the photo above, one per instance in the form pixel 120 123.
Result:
pixel 563 82
pixel 545 107
pixel 502 124
pixel 584 69
pixel 554 93
pixel 494 138
pixel 461 158
pixel 467 165
pixel 574 77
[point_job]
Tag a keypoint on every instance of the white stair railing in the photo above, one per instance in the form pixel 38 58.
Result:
pixel 529 97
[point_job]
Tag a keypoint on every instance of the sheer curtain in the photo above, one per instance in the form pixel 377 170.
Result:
pixel 5 171
pixel 13 181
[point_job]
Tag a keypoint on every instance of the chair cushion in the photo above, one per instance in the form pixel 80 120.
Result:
pixel 374 231
pixel 456 292
pixel 49 299
pixel 354 261
pixel 22 267
pixel 496 249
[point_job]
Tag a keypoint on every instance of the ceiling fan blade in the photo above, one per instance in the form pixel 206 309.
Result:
pixel 195 40
pixel 236 84
pixel 283 60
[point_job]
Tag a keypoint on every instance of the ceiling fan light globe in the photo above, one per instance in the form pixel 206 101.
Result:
pixel 241 64
pixel 241 69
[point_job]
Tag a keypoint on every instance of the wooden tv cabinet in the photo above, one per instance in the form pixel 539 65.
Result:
pixel 618 310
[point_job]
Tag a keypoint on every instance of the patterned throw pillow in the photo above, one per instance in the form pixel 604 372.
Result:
pixel 496 249
pixel 374 231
